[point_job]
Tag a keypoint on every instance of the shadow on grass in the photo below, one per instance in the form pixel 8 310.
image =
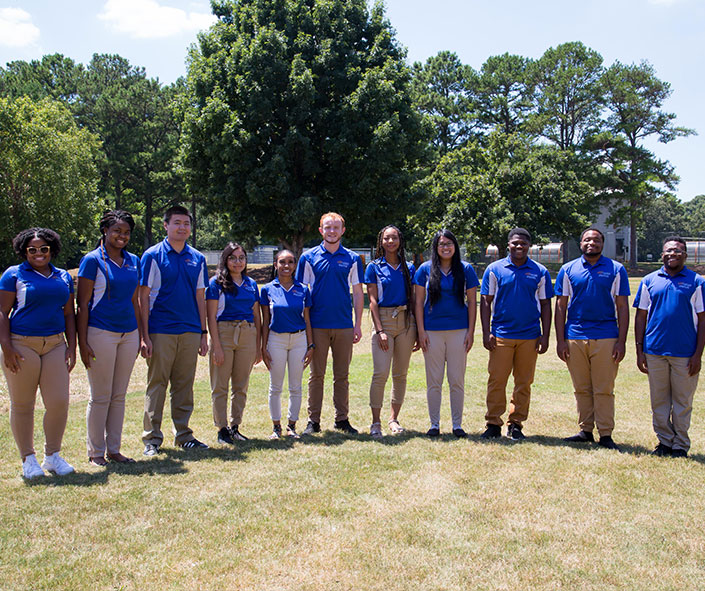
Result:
pixel 549 441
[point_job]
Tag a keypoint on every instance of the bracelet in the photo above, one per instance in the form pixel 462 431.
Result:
pixel 204 332
pixel 380 331
pixel 311 346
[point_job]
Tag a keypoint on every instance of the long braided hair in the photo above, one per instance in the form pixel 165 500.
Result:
pixel 456 267
pixel 222 274
pixel 379 253
pixel 109 219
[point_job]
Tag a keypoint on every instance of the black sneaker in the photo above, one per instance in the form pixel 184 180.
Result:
pixel 151 449
pixel 679 453
pixel 581 437
pixel 236 435
pixel 662 451
pixel 194 444
pixel 459 433
pixel 225 437
pixel 345 427
pixel 607 443
pixel 492 432
pixel 312 428
pixel 514 432
pixel 434 432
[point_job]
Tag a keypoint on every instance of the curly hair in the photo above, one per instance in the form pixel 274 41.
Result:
pixel 222 274
pixel 20 242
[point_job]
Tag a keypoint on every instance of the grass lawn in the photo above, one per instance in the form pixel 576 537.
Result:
pixel 342 513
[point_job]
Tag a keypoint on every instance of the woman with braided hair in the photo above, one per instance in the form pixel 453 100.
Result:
pixel 108 333
pixel 389 288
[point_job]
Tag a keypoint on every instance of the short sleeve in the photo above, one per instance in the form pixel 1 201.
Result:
pixel 559 282
pixel 547 288
pixel 471 279
pixel 642 301
pixel 88 268
pixel 421 276
pixel 412 270
pixel 203 275
pixel 371 273
pixel 264 296
pixel 145 267
pixel 300 266
pixel 213 290
pixel 489 282
pixel 307 297
pixel 68 279
pixel 8 281
pixel 623 282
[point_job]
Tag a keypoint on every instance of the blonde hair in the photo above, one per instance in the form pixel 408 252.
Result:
pixel 331 214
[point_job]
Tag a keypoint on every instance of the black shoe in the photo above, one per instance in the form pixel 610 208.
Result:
pixel 236 435
pixel 225 437
pixel 581 437
pixel 193 444
pixel 151 449
pixel 514 432
pixel 434 432
pixel 492 432
pixel 679 453
pixel 607 443
pixel 662 451
pixel 345 427
pixel 459 433
pixel 312 428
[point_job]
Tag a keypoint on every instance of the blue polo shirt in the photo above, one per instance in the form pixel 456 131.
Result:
pixel 517 291
pixel 173 279
pixel 234 306
pixel 329 276
pixel 38 310
pixel 673 304
pixel 110 307
pixel 592 291
pixel 286 306
pixel 391 290
pixel 447 313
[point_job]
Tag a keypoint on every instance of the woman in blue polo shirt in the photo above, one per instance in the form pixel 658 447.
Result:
pixel 389 288
pixel 36 323
pixel 232 301
pixel 108 335
pixel 287 339
pixel 446 309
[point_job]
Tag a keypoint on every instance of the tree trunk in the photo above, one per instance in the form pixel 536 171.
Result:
pixel 148 214
pixel 294 243
pixel 632 235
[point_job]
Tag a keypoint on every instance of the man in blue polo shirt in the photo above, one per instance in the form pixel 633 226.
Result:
pixel 173 307
pixel 670 336
pixel 516 293
pixel 330 270
pixel 592 340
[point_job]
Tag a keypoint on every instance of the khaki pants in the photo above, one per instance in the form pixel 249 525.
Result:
pixel 287 350
pixel 510 356
pixel 173 362
pixel 401 339
pixel 109 377
pixel 340 342
pixel 239 342
pixel 446 351
pixel 593 372
pixel 672 391
pixel 44 366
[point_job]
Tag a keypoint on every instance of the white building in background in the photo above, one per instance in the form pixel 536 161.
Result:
pixel 616 237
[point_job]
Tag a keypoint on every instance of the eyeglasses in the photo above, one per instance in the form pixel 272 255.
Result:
pixel 237 259
pixel 35 249
pixel 445 244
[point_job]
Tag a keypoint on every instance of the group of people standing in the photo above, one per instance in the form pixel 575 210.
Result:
pixel 165 307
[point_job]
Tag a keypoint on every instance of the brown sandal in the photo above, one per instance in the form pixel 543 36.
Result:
pixel 98 461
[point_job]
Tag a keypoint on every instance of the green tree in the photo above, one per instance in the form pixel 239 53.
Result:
pixel 54 76
pixel 567 94
pixel 694 211
pixel 300 107
pixel 634 96
pixel 442 90
pixel 47 174
pixel 504 93
pixel 665 215
pixel 481 192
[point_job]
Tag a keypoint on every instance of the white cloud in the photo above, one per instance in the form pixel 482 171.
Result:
pixel 17 29
pixel 147 19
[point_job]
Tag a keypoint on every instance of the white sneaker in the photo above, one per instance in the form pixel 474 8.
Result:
pixel 31 468
pixel 376 431
pixel 57 465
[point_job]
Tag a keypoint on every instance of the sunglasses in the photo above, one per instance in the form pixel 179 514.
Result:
pixel 34 249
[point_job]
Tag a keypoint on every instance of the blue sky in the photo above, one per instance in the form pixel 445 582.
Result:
pixel 155 34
